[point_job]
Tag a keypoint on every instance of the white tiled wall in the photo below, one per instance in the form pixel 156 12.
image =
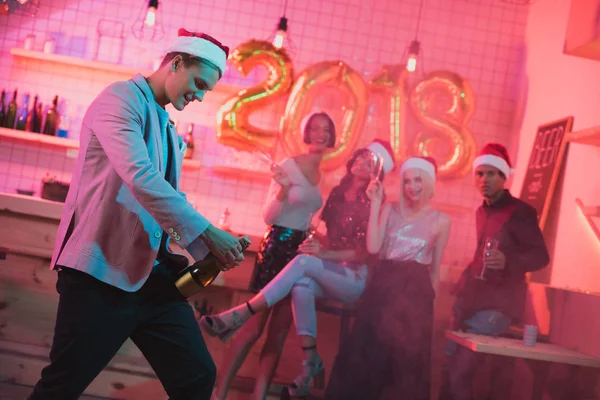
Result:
pixel 481 40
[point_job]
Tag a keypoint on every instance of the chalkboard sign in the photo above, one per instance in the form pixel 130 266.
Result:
pixel 544 165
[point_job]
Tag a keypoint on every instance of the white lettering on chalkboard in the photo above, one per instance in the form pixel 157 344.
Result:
pixel 546 147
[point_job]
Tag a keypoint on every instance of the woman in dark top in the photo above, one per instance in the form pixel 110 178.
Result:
pixel 337 271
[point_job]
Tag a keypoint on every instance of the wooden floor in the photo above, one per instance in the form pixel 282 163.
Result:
pixel 10 391
pixel 13 391
pixel 27 310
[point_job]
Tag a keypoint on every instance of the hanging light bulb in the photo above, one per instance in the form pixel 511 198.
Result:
pixel 413 53
pixel 148 27
pixel 281 32
pixel 279 37
pixel 151 13
pixel 413 57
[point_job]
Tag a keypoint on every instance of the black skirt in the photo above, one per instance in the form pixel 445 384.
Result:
pixel 387 354
pixel 277 248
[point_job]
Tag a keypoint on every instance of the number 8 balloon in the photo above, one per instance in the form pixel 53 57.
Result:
pixel 446 126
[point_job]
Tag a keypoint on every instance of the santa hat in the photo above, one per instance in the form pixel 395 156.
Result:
pixel 494 155
pixel 384 150
pixel 425 164
pixel 201 45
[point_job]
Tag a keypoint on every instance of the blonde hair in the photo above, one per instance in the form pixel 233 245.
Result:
pixel 427 192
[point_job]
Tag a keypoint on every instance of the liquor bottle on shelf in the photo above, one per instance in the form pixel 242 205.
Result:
pixel 224 222
pixel 33 117
pixel 2 109
pixel 51 123
pixel 22 118
pixel 189 141
pixel 11 113
pixel 64 121
pixel 36 125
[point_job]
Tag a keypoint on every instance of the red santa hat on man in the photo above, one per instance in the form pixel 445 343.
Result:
pixel 425 164
pixel 384 150
pixel 495 155
pixel 201 45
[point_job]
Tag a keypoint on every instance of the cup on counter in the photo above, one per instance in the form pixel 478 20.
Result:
pixel 530 335
pixel 50 45
pixel 29 42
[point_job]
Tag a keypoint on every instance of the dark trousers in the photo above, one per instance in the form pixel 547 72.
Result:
pixel 93 321
pixel 463 364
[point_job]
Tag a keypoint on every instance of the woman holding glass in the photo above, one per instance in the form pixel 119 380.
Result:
pixel 294 197
pixel 387 354
pixel 336 270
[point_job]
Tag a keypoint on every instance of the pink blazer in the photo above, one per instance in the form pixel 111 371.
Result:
pixel 119 202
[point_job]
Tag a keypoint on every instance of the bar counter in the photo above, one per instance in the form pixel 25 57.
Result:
pixel 28 302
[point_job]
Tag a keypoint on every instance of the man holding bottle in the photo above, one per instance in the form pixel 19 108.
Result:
pixel 491 292
pixel 123 207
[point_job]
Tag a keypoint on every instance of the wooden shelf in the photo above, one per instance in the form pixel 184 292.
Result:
pixel 58 142
pixel 452 208
pixel 38 138
pixel 77 62
pixel 589 213
pixel 589 136
pixel 101 66
pixel 240 173
pixel 191 165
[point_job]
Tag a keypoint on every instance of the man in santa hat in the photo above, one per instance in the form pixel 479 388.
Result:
pixel 491 291
pixel 123 207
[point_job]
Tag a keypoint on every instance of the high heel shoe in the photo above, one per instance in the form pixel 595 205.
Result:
pixel 313 372
pixel 215 325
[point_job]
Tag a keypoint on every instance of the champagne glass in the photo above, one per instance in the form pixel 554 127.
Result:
pixel 377 164
pixel 266 157
pixel 489 244
pixel 312 228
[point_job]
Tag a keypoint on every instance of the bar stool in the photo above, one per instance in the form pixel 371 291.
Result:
pixel 346 311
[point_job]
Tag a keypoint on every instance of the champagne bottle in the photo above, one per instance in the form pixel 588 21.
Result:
pixel 22 119
pixel 2 109
pixel 189 141
pixel 36 125
pixel 32 117
pixel 11 114
pixel 51 119
pixel 202 273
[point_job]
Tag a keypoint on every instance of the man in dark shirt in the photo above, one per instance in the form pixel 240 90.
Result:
pixel 491 291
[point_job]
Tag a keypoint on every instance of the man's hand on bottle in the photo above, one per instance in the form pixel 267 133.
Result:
pixel 224 246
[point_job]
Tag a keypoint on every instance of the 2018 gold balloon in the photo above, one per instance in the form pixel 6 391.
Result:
pixel 443 102
pixel 390 82
pixel 306 89
pixel 233 126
